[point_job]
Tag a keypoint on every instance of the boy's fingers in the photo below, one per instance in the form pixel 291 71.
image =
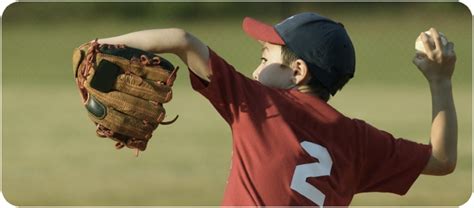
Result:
pixel 426 44
pixel 449 52
pixel 437 39
pixel 450 47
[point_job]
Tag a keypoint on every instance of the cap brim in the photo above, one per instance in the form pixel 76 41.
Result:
pixel 261 31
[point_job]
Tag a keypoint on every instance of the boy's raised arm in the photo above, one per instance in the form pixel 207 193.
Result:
pixel 191 50
pixel 437 65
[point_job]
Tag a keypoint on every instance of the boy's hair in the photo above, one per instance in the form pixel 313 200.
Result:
pixel 316 87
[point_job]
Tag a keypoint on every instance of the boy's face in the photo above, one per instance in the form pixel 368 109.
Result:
pixel 271 72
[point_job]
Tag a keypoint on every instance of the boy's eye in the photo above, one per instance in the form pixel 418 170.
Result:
pixel 263 60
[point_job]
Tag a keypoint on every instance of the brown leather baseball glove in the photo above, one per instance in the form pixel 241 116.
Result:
pixel 123 90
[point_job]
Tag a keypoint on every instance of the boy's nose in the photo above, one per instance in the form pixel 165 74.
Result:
pixel 255 75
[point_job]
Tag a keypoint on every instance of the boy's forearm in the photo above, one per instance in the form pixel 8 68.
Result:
pixel 157 40
pixel 192 51
pixel 444 125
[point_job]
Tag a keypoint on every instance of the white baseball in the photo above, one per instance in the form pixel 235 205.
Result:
pixel 419 43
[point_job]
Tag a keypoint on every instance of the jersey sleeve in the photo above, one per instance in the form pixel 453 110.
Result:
pixel 228 90
pixel 388 164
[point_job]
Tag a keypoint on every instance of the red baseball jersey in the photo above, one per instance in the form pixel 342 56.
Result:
pixel 291 148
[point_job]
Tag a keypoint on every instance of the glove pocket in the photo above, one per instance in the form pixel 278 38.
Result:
pixel 157 73
pixel 142 88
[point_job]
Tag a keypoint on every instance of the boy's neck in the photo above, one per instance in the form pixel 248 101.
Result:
pixel 308 90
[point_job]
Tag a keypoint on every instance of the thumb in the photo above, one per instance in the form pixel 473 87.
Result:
pixel 419 59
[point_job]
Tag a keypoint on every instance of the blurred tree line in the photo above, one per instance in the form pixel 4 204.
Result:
pixel 63 12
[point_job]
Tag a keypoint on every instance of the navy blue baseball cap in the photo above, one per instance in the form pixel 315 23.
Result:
pixel 322 43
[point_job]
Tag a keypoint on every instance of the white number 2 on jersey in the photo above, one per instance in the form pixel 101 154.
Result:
pixel 316 169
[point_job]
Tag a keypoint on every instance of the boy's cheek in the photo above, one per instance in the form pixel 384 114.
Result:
pixel 274 77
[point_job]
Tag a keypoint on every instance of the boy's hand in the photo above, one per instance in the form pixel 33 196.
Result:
pixel 438 62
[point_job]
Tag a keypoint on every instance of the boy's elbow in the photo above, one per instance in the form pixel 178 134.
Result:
pixel 446 168
pixel 440 167
pixel 449 167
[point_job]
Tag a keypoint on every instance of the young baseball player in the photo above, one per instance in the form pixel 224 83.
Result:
pixel 289 146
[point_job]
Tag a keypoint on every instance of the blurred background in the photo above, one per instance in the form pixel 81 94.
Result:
pixel 51 155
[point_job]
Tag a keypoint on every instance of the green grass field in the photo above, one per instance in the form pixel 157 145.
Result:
pixel 51 155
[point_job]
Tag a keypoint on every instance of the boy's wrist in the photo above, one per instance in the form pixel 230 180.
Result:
pixel 440 87
pixel 440 83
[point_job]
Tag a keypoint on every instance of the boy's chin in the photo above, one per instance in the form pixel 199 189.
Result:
pixel 274 85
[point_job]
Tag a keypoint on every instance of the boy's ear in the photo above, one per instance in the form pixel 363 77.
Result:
pixel 301 73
